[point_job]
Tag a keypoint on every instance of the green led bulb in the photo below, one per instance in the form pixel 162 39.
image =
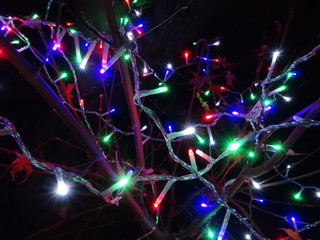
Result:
pixel 252 96
pixel 126 56
pixel 251 154
pixel 267 102
pixel 123 182
pixel 234 146
pixel 125 21
pixel 63 75
pixel 15 42
pixel 73 31
pixel 200 139
pixel 297 196
pixel 34 16
pixel 106 138
pixel 276 147
pixel 210 234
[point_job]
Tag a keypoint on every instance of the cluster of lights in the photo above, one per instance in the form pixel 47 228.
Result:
pixel 63 188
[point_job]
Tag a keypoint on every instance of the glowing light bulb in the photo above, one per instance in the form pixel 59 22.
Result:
pixel 145 70
pixel 318 193
pixel 209 116
pixel 204 156
pixel 125 21
pixel 276 147
pixel 34 16
pixel 15 42
pixel 123 182
pixel 247 236
pixel 207 93
pixel 73 31
pixel 267 102
pixel 200 139
pixel 217 43
pixel 276 54
pixel 290 74
pixel 252 96
pixel 192 160
pixel 188 131
pixel 169 66
pixel 222 88
pixel 138 13
pixel 127 56
pixel 204 205
pixel 287 99
pixel 295 226
pixel 234 146
pixel 255 184
pixel 235 113
pixel 163 192
pixel 210 234
pixel 81 103
pixel 130 35
pixel 282 88
pixel 144 128
pixel 297 196
pixel 212 142
pixel 62 188
pixel 56 46
pixel 145 93
pixel 251 154
pixel 107 138
pixel 64 75
pixel 186 56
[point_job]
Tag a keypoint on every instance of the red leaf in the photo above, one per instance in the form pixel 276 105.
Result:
pixel 261 51
pixel 66 90
pixel 291 234
pixel 230 77
pixel 198 81
pixel 21 163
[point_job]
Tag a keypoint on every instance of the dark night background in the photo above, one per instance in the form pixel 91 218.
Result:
pixel 242 27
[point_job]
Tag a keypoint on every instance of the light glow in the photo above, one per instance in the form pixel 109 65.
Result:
pixel 123 182
pixel 106 139
pixel 210 234
pixel 234 146
pixel 62 188
pixel 192 160
pixel 255 184
pixel 145 93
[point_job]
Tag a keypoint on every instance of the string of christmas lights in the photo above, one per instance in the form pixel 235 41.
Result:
pixel 13 27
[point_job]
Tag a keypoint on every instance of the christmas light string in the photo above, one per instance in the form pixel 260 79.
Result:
pixel 181 162
pixel 251 116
